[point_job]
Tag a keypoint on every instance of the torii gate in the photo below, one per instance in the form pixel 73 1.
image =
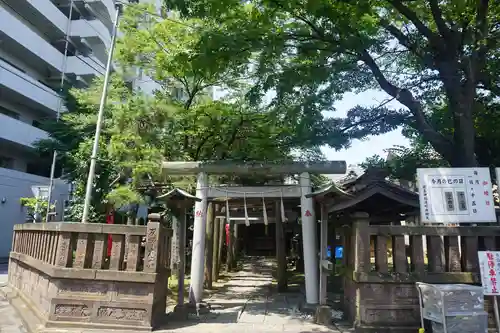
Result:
pixel 202 169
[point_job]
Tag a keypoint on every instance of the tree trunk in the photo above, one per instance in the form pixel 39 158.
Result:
pixel 280 251
pixel 209 246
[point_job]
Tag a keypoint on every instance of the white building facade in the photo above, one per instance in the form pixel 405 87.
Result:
pixel 33 36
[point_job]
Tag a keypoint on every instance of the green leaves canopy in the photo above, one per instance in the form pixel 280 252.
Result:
pixel 309 52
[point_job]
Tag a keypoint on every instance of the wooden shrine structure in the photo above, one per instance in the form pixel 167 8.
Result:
pixel 386 252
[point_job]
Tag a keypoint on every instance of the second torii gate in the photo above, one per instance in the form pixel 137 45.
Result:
pixel 202 169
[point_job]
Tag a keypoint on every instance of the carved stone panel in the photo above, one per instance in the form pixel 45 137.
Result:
pixel 72 310
pixel 400 317
pixel 114 313
pixel 83 287
pixel 133 290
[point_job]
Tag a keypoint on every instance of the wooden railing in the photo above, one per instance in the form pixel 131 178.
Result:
pixel 94 266
pixel 422 251
pixel 85 246
pixel 383 263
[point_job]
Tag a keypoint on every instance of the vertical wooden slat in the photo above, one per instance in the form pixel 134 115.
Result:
pixel 39 249
pixel 399 254
pixel 53 247
pixel 417 254
pixel 133 253
pixel 44 249
pixel 470 261
pixel 63 252
pixel 117 252
pixel 100 249
pixel 435 254
pixel 452 253
pixel 381 263
pixel 36 252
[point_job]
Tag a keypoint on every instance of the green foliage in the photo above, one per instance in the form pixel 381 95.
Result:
pixel 34 205
pixel 404 161
pixel 421 53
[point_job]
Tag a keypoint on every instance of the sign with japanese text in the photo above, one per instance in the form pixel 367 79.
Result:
pixel 489 266
pixel 455 195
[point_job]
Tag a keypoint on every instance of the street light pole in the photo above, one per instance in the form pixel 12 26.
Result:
pixel 100 116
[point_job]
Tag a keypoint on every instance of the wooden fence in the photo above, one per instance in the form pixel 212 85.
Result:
pixel 379 286
pixel 64 273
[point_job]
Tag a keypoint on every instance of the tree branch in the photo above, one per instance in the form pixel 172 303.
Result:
pixel 437 14
pixel 405 97
pixel 432 37
pixel 406 42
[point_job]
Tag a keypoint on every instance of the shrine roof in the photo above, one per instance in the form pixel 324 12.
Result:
pixel 377 197
pixel 178 194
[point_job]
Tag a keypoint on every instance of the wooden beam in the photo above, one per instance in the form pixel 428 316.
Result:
pixel 239 192
pixel 241 168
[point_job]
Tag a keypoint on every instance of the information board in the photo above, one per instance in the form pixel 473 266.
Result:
pixel 489 266
pixel 455 195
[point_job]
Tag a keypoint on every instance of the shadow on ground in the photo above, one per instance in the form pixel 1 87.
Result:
pixel 249 298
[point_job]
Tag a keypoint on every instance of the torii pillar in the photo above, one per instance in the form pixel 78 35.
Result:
pixel 198 249
pixel 309 242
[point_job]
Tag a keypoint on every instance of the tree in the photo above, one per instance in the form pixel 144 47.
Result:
pixel 421 53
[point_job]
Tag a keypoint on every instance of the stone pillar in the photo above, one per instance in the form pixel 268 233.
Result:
pixel 309 240
pixel 198 249
pixel 360 223
pixel 323 282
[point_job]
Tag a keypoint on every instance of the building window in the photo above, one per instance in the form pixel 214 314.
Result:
pixel 6 162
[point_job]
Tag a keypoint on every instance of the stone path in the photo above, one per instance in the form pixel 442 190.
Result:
pixel 245 304
pixel 9 320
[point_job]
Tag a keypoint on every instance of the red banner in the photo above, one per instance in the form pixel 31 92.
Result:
pixel 227 234
pixel 110 219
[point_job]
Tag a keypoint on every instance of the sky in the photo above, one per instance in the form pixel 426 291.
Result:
pixel 360 150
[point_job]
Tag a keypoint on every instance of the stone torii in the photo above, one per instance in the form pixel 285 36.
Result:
pixel 202 169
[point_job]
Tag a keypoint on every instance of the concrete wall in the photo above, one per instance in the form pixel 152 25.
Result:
pixel 13 186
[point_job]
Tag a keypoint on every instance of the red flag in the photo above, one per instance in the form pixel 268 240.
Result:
pixel 110 219
pixel 227 234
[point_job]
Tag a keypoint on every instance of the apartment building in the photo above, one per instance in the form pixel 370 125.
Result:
pixel 33 36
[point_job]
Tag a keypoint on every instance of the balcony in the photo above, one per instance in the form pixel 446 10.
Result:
pixel 15 83
pixel 51 21
pixel 19 132
pixel 27 44
pixel 92 30
pixel 103 9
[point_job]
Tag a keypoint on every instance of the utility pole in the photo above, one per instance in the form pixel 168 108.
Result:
pixel 100 116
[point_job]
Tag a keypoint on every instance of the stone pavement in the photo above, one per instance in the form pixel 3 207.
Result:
pixel 9 320
pixel 244 304
pixel 247 304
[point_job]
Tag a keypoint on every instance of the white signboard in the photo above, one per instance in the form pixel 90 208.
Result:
pixel 489 266
pixel 455 195
pixel 39 191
